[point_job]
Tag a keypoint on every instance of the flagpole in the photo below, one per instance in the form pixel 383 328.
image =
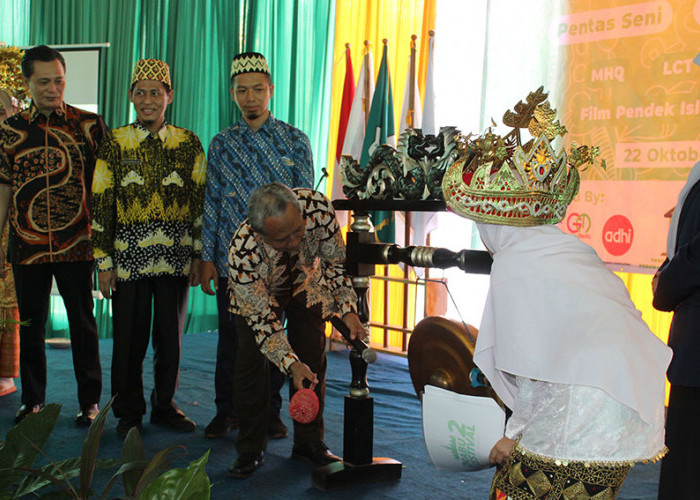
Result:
pixel 431 34
pixel 411 88
pixel 365 90
pixel 387 272
pixel 407 215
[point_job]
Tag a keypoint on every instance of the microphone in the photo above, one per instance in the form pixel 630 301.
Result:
pixel 325 174
pixel 369 355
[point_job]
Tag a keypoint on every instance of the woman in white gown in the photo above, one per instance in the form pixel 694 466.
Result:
pixel 566 350
pixel 560 340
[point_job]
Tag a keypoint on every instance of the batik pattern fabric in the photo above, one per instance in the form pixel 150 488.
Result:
pixel 526 476
pixel 147 196
pixel 9 321
pixel 9 342
pixel 315 275
pixel 49 161
pixel 240 161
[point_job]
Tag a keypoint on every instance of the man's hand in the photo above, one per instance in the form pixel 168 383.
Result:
pixel 207 274
pixel 501 450
pixel 194 277
pixel 301 372
pixel 357 329
pixel 108 283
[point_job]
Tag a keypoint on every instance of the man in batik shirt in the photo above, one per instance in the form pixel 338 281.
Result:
pixel 256 150
pixel 148 193
pixel 287 259
pixel 47 158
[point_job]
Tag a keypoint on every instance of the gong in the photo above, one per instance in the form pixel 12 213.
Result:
pixel 440 353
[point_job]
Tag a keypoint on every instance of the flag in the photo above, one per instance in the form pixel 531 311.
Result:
pixel 357 119
pixel 380 130
pixel 355 135
pixel 345 107
pixel 424 222
pixel 411 114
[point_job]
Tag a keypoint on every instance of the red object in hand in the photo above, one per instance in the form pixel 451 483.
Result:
pixel 303 407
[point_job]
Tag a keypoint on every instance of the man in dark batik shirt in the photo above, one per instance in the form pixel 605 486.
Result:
pixel 47 159
pixel 286 261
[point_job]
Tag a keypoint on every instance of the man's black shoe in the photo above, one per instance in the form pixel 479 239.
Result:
pixel 25 410
pixel 316 453
pixel 126 423
pixel 86 415
pixel 173 419
pixel 277 429
pixel 245 465
pixel 220 425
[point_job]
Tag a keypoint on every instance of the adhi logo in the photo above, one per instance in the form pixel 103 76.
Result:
pixel 618 235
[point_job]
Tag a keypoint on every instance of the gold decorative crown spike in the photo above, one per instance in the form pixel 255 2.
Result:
pixel 249 62
pixel 501 181
pixel 151 69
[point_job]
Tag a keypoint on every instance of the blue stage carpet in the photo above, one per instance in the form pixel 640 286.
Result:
pixel 397 433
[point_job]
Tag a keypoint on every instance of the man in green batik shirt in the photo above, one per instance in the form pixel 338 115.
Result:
pixel 147 201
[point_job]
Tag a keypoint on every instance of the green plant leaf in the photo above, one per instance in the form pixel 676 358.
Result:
pixel 59 481
pixel 132 451
pixel 190 482
pixel 24 442
pixel 62 470
pixel 91 446
pixel 156 466
pixel 137 467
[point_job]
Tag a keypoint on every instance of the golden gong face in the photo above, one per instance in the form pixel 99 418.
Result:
pixel 440 354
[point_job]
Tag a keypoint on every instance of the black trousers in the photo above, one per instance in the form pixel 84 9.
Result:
pixel 226 354
pixel 679 476
pixel 132 304
pixel 306 334
pixel 33 287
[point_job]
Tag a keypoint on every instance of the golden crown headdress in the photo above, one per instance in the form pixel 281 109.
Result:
pixel 249 62
pixel 501 181
pixel 151 69
pixel 11 73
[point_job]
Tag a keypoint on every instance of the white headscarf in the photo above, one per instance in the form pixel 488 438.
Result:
pixel 555 313
pixel 693 177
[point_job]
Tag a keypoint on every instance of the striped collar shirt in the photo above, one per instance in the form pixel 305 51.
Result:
pixel 241 160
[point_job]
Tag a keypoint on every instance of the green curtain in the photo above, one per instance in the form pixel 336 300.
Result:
pixel 198 40
pixel 95 21
pixel 14 22
pixel 297 39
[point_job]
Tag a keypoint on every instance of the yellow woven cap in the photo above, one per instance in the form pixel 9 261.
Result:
pixel 151 69
pixel 249 62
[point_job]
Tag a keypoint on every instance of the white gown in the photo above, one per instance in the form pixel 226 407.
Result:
pixel 564 347
pixel 581 423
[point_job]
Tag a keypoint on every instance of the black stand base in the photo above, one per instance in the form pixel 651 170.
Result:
pixel 341 474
